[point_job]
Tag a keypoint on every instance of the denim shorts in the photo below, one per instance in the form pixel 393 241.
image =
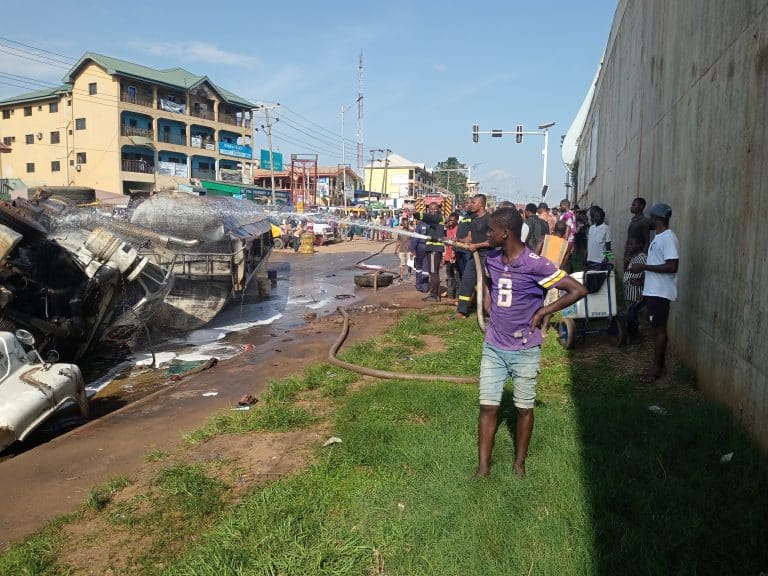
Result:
pixel 498 365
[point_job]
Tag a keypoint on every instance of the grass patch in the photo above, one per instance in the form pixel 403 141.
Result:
pixel 101 496
pixel 37 555
pixel 156 455
pixel 190 490
pixel 612 487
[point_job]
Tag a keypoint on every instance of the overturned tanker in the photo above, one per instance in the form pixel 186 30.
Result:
pixel 75 293
pixel 216 248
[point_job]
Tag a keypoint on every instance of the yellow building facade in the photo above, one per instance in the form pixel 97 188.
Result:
pixel 118 126
pixel 396 177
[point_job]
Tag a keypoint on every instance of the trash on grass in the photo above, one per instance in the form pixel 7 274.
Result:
pixel 210 393
pixel 658 410
pixel 332 440
pixel 246 399
pixel 725 458
pixel 241 408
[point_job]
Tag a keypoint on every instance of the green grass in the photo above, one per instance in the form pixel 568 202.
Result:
pixel 37 555
pixel 612 488
pixel 101 496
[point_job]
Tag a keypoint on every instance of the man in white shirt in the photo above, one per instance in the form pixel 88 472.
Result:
pixel 660 284
pixel 598 239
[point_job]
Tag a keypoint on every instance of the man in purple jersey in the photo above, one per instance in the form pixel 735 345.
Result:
pixel 517 281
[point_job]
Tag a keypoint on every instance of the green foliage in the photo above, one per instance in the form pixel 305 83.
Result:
pixel 450 174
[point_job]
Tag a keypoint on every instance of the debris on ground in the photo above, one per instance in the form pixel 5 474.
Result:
pixel 332 440
pixel 658 410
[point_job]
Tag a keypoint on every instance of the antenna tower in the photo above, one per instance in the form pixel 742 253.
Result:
pixel 360 160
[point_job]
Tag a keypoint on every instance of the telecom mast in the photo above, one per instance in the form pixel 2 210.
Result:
pixel 360 160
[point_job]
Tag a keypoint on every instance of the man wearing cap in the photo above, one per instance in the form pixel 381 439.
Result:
pixel 660 284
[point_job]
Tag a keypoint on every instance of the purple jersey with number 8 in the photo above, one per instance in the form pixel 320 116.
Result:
pixel 517 291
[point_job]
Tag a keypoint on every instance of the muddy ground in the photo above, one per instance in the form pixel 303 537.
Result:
pixel 55 477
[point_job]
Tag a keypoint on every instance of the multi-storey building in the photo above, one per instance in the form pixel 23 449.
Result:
pixel 118 126
pixel 396 177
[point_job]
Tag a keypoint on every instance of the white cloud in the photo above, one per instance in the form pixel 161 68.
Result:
pixel 195 51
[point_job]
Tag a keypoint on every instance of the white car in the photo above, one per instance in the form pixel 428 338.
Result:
pixel 31 390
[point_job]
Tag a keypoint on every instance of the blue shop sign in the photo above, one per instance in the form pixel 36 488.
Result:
pixel 235 150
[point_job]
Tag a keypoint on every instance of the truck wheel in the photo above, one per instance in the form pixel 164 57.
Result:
pixel 279 244
pixel 319 240
pixel 566 333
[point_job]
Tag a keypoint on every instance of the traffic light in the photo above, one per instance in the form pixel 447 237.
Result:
pixel 519 133
pixel 497 133
pixel 475 133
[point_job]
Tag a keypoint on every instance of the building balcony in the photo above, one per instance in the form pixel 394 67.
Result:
pixel 126 130
pixel 136 99
pixel 141 166
pixel 204 144
pixel 169 138
pixel 230 119
pixel 203 174
pixel 204 114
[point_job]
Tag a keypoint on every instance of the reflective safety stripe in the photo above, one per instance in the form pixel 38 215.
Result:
pixel 467 298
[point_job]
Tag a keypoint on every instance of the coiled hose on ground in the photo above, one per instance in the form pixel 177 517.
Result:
pixel 405 375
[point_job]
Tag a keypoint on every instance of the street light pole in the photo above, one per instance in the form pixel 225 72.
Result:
pixel 267 127
pixel 546 128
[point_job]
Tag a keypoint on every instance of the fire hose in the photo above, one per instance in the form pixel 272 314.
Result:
pixel 404 375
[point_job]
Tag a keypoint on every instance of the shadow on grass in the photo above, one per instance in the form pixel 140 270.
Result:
pixel 662 500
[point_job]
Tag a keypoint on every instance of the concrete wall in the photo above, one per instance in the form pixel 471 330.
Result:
pixel 680 115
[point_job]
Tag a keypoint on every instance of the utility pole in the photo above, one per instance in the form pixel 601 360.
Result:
pixel 344 153
pixel 386 165
pixel 360 69
pixel 267 127
pixel 370 178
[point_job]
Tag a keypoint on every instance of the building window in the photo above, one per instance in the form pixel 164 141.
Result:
pixel 6 114
pixel 132 92
pixel 69 102
pixel 92 88
pixel 53 107
pixel 29 138
pixel 7 140
pixel 55 137
pixel 79 123
pixel 55 166
pixel 30 167
pixel 81 158
pixel 27 110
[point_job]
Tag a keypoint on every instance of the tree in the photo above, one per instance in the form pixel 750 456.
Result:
pixel 451 174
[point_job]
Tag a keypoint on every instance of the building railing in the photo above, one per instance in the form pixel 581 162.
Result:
pixel 229 119
pixel 169 138
pixel 136 99
pixel 206 114
pixel 203 174
pixel 204 143
pixel 127 130
pixel 138 166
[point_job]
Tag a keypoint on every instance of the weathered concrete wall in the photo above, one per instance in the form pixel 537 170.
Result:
pixel 681 114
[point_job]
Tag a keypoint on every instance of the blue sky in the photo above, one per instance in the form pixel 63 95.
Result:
pixel 432 69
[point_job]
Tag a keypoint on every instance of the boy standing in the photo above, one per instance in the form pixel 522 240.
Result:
pixel 633 283
pixel 517 280
pixel 598 239
pixel 660 284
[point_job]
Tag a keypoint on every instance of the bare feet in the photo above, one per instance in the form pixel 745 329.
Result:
pixel 519 469
pixel 478 475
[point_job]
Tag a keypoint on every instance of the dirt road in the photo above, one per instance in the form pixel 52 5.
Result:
pixel 54 478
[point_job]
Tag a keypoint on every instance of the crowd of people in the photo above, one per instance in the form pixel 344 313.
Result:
pixel 525 258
